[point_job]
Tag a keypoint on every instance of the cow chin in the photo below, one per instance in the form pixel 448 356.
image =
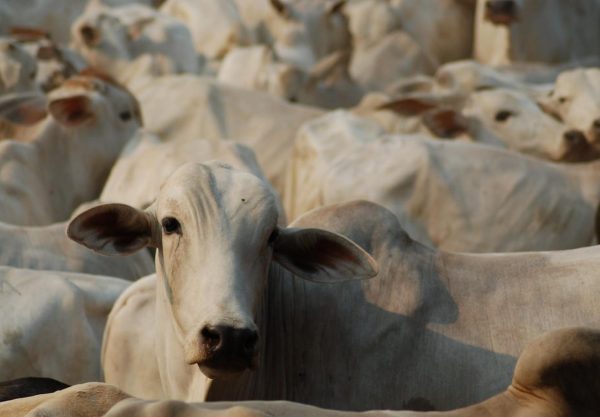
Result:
pixel 500 19
pixel 232 370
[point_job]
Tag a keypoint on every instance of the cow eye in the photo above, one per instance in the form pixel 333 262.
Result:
pixel 562 100
pixel 503 115
pixel 273 236
pixel 170 225
pixel 125 116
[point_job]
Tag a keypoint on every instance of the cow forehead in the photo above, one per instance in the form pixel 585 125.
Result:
pixel 217 192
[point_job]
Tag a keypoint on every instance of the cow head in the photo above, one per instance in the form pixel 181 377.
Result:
pixel 93 100
pixel 575 99
pixel 516 118
pixel 216 233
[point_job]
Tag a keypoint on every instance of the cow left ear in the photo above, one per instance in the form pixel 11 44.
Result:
pixel 321 256
pixel 71 111
pixel 113 229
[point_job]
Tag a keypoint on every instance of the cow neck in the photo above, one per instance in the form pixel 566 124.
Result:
pixel 290 315
pixel 179 380
pixel 70 166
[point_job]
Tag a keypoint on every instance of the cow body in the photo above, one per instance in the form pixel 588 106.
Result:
pixel 549 379
pixel 48 248
pixel 53 322
pixel 459 196
pixel 427 312
pixel 535 31
pixel 147 162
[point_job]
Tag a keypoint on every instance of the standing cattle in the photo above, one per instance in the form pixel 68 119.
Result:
pixel 225 299
pixel 215 26
pixel 42 181
pixel 202 108
pixel 55 64
pixel 459 196
pixel 18 69
pixel 53 17
pixel 52 323
pixel 111 38
pixel 549 31
pixel 301 32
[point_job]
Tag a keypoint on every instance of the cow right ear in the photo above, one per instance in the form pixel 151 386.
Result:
pixel 71 111
pixel 113 229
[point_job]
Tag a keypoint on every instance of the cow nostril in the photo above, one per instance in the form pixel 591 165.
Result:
pixel 574 137
pixel 211 337
pixel 501 6
pixel 249 343
pixel 596 124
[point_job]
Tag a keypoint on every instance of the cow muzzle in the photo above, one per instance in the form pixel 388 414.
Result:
pixel 594 133
pixel 227 351
pixel 501 12
pixel 578 149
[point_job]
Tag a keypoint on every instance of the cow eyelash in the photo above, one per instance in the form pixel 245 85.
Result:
pixel 171 225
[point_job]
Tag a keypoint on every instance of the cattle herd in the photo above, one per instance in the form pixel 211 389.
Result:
pixel 370 208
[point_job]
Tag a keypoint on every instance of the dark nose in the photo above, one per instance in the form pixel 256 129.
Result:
pixel 574 138
pixel 505 7
pixel 578 148
pixel 229 343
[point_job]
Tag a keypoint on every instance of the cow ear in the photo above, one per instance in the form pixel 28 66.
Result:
pixel 408 106
pixel 445 123
pixel 336 7
pixel 23 108
pixel 280 8
pixel 321 256
pixel 71 111
pixel 113 229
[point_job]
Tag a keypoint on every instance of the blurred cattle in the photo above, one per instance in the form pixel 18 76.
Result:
pixel 53 323
pixel 48 248
pixel 549 31
pixel 55 17
pixel 459 196
pixel 110 38
pixel 147 162
pixel 209 110
pixel 575 99
pixel 43 180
